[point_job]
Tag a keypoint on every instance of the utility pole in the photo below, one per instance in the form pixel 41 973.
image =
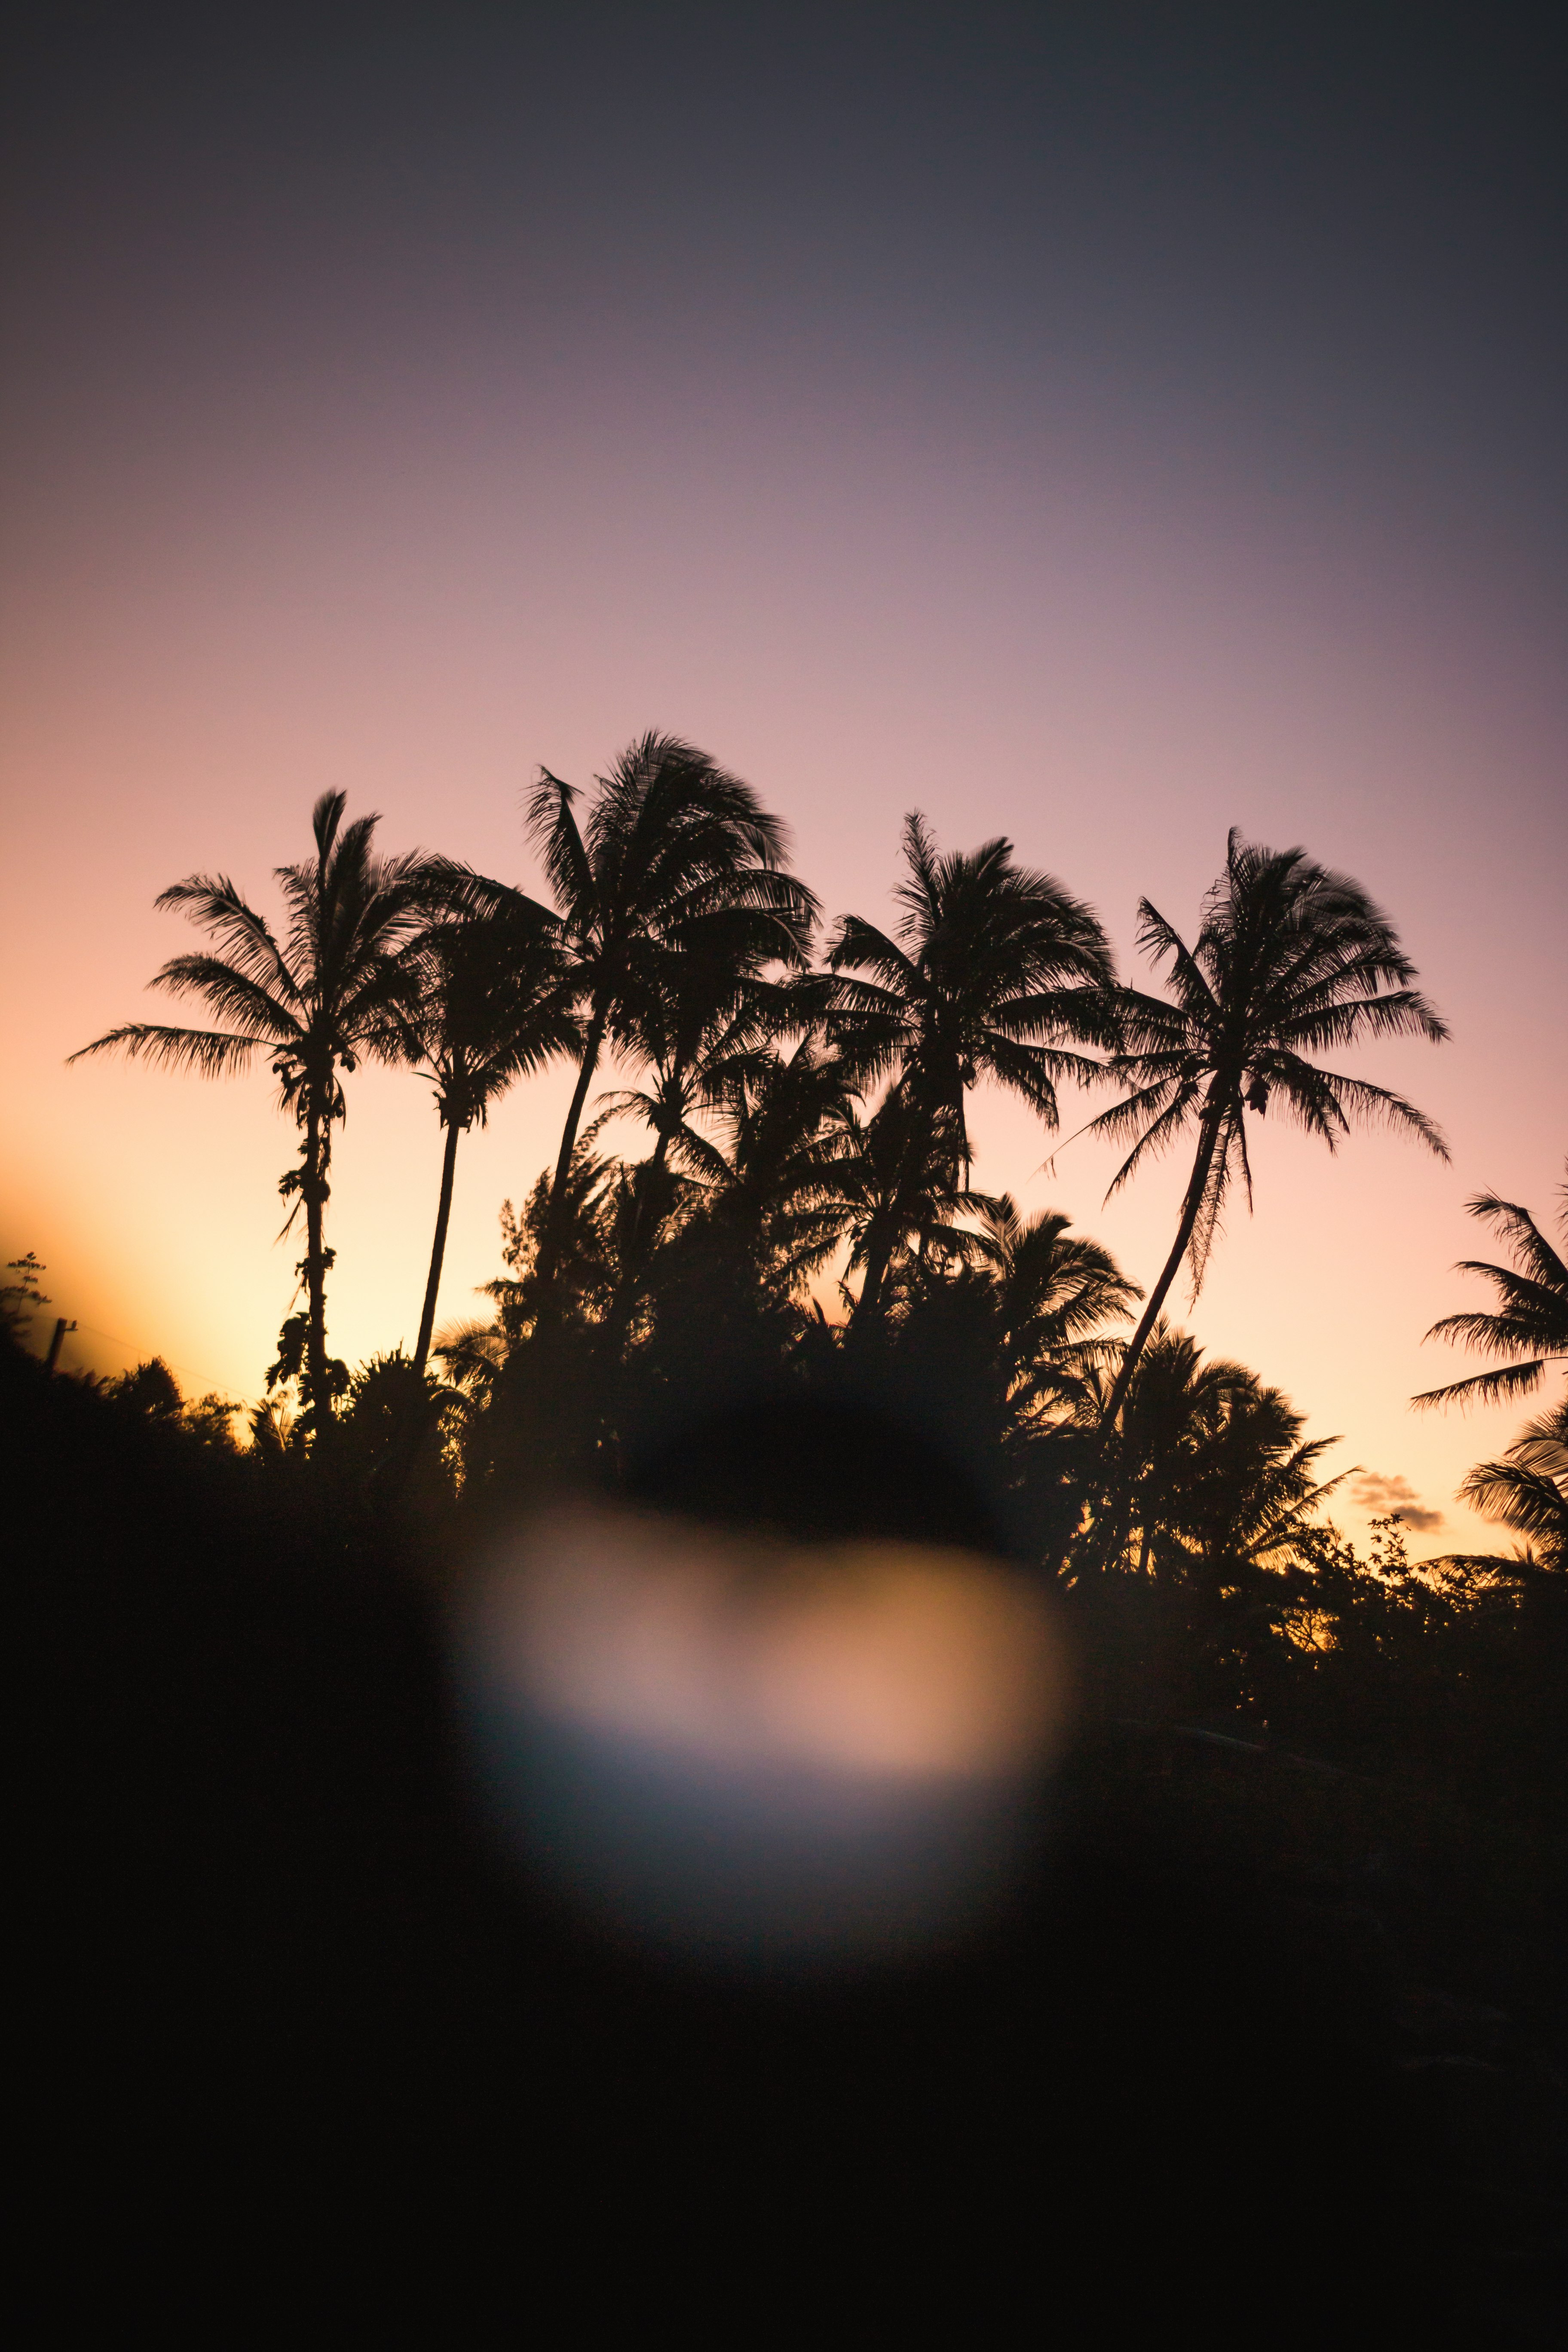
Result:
pixel 52 1359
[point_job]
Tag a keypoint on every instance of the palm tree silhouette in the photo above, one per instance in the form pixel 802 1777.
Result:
pixel 770 1176
pixel 992 971
pixel 1013 1320
pixel 494 1003
pixel 676 857
pixel 1053 1292
pixel 1290 959
pixel 1527 1489
pixel 331 992
pixel 898 1174
pixel 1208 1473
pixel 707 1023
pixel 1530 1331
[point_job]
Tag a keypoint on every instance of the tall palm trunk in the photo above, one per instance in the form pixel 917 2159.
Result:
pixel 1208 1136
pixel 592 1046
pixel 869 1305
pixel 316 1192
pixel 438 1247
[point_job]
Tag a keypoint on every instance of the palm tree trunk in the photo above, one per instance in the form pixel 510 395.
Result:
pixel 1208 1137
pixel 315 1268
pixel 868 1306
pixel 550 1249
pixel 438 1248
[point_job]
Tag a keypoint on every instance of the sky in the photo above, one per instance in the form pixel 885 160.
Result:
pixel 1096 426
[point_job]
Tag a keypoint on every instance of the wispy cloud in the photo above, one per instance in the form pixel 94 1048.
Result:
pixel 1373 1491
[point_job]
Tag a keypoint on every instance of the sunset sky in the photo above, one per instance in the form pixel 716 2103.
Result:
pixel 1099 425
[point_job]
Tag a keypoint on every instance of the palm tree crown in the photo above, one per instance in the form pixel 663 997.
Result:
pixel 1289 960
pixel 1530 1330
pixel 677 858
pixel 706 1025
pixel 991 971
pixel 1209 1474
pixel 1055 1291
pixel 317 1001
pixel 1015 1314
pixel 770 1178
pixel 899 1175
pixel 1527 1489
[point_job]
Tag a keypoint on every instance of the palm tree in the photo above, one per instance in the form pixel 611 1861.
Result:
pixel 494 1003
pixel 316 1002
pixel 771 1176
pixel 1208 1475
pixel 898 1176
pixel 1053 1292
pixel 1529 1332
pixel 992 969
pixel 1008 1322
pixel 1290 959
pixel 1253 1490
pixel 675 858
pixel 707 1020
pixel 1527 1489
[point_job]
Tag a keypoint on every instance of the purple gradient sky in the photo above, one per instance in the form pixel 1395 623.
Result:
pixel 1092 427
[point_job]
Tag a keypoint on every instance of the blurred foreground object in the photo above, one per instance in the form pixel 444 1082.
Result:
pixel 745 1749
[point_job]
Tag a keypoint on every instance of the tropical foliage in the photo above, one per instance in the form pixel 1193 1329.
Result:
pixel 992 971
pixel 1289 960
pixel 804 1212
pixel 794 1220
pixel 671 899
pixel 1528 1332
pixel 493 1002
pixel 333 992
pixel 1527 1489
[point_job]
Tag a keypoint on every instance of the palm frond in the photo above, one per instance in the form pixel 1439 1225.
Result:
pixel 1162 942
pixel 551 823
pixel 1488 1388
pixel 210 1052
pixel 233 995
pixel 1534 1251
pixel 214 905
pixel 1168 1114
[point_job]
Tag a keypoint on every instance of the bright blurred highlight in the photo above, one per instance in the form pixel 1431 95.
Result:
pixel 745 1749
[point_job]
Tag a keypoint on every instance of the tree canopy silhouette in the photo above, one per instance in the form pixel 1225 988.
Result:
pixel 1527 1489
pixel 331 991
pixel 1289 960
pixel 677 860
pixel 993 970
pixel 1529 1331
